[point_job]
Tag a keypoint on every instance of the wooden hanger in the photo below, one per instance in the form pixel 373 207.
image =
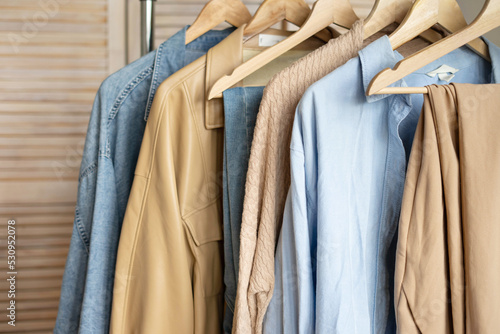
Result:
pixel 386 12
pixel 271 12
pixel 487 20
pixel 426 13
pixel 324 13
pixel 214 13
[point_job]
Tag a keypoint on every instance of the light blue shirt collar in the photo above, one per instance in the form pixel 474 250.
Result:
pixel 379 55
pixel 374 58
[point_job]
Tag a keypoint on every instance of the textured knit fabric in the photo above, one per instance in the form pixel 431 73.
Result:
pixel 448 259
pixel 268 176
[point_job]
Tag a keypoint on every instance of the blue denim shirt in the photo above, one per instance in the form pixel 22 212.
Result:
pixel 110 155
pixel 336 253
pixel 241 106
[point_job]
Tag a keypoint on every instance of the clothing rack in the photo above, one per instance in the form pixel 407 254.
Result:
pixel 147 26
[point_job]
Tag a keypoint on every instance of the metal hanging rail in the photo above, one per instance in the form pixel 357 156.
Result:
pixel 147 26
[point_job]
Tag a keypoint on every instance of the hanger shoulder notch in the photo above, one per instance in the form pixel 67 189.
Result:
pixel 237 13
pixel 384 13
pixel 421 16
pixel 272 12
pixel 268 14
pixel 216 12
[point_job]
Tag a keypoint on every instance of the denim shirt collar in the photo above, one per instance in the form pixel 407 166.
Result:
pixel 171 53
pixel 379 55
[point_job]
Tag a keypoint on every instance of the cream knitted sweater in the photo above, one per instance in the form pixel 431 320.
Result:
pixel 268 176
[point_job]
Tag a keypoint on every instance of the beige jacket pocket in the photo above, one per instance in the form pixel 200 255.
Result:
pixel 205 233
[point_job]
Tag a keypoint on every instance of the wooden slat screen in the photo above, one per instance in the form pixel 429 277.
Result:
pixel 53 56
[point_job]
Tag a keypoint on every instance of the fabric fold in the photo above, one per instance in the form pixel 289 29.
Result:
pixel 448 258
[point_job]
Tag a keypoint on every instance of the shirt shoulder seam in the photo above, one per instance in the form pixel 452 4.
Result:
pixel 164 100
pixel 127 90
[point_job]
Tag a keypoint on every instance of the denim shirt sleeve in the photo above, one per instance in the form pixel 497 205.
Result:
pixel 73 285
pixel 292 306
pixel 87 287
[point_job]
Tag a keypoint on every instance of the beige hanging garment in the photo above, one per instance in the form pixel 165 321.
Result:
pixel 448 258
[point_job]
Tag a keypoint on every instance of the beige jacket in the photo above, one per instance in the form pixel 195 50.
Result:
pixel 169 271
pixel 448 256
pixel 268 177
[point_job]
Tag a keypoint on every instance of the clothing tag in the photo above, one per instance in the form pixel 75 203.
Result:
pixel 444 73
pixel 270 40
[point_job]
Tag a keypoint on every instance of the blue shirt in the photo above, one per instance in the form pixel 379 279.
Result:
pixel 112 145
pixel 336 253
